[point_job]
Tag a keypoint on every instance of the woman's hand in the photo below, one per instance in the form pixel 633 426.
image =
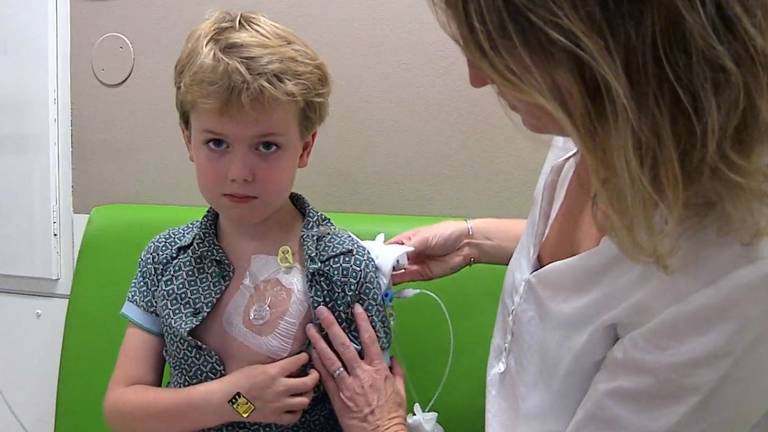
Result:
pixel 365 393
pixel 439 250
pixel 277 395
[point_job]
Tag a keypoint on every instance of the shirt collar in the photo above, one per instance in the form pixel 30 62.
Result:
pixel 320 238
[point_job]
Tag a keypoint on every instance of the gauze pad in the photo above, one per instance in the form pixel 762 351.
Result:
pixel 251 313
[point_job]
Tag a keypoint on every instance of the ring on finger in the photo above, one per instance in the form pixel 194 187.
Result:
pixel 340 370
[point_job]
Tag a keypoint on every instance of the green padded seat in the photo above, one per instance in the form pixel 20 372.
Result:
pixel 114 238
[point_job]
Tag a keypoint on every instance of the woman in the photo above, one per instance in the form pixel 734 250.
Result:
pixel 637 295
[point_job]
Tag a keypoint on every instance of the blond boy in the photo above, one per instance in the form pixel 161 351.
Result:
pixel 223 301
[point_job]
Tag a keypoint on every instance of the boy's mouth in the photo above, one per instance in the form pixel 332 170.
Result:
pixel 240 198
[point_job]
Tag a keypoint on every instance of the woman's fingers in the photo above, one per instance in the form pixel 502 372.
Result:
pixel 399 374
pixel 340 341
pixel 370 398
pixel 402 238
pixel 327 358
pixel 371 350
pixel 325 376
pixel 412 273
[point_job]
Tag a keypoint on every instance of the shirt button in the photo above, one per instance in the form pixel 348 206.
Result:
pixel 502 366
pixel 505 353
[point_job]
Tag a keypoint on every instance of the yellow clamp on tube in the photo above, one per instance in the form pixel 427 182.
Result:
pixel 285 257
pixel 241 405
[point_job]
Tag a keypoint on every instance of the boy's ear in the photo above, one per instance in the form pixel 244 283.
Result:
pixel 187 141
pixel 306 149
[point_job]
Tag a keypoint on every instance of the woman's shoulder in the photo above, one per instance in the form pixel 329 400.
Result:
pixel 709 275
pixel 713 255
pixel 700 257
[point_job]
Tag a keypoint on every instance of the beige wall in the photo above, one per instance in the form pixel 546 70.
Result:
pixel 406 133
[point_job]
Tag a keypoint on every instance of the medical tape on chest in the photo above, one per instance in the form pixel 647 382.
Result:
pixel 254 308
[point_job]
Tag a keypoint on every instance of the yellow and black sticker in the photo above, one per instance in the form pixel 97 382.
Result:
pixel 241 404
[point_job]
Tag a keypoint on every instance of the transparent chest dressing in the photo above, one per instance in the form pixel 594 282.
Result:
pixel 269 306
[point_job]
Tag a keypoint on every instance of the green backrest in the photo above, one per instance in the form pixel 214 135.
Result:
pixel 116 235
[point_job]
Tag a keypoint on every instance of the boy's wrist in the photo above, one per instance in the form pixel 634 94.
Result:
pixel 211 401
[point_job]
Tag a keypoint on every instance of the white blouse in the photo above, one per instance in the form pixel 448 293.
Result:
pixel 598 343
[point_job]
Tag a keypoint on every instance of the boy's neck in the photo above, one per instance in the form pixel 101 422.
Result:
pixel 265 237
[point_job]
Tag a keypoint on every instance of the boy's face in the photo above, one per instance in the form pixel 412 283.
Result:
pixel 246 160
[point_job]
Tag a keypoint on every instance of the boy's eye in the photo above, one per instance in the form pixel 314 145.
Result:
pixel 267 147
pixel 216 144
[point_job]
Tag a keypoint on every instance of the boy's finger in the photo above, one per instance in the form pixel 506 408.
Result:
pixel 291 364
pixel 297 403
pixel 295 386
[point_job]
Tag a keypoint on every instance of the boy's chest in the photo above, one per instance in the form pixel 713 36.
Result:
pixel 259 317
pixel 195 301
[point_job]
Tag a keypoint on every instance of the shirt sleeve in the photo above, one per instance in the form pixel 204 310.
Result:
pixel 369 296
pixel 140 307
pixel 700 365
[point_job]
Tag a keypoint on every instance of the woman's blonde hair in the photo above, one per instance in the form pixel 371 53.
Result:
pixel 667 100
pixel 237 60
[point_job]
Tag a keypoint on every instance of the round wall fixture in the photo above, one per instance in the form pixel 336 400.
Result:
pixel 112 59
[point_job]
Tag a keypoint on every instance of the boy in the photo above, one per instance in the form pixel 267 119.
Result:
pixel 224 300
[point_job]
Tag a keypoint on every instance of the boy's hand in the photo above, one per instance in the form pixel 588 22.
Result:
pixel 278 396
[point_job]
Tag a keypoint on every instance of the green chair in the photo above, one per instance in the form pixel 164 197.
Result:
pixel 116 235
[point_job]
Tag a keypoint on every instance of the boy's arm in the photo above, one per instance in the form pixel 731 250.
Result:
pixel 135 400
pixel 370 297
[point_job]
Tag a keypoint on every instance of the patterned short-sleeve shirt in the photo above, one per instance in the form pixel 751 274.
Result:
pixel 184 271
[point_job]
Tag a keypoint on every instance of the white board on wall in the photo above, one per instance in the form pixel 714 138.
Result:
pixel 29 154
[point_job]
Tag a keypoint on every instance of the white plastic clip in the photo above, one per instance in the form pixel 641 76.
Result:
pixel 421 421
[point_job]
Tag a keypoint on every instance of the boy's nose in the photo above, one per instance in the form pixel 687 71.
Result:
pixel 240 171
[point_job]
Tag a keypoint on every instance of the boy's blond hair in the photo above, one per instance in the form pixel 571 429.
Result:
pixel 666 99
pixel 238 60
